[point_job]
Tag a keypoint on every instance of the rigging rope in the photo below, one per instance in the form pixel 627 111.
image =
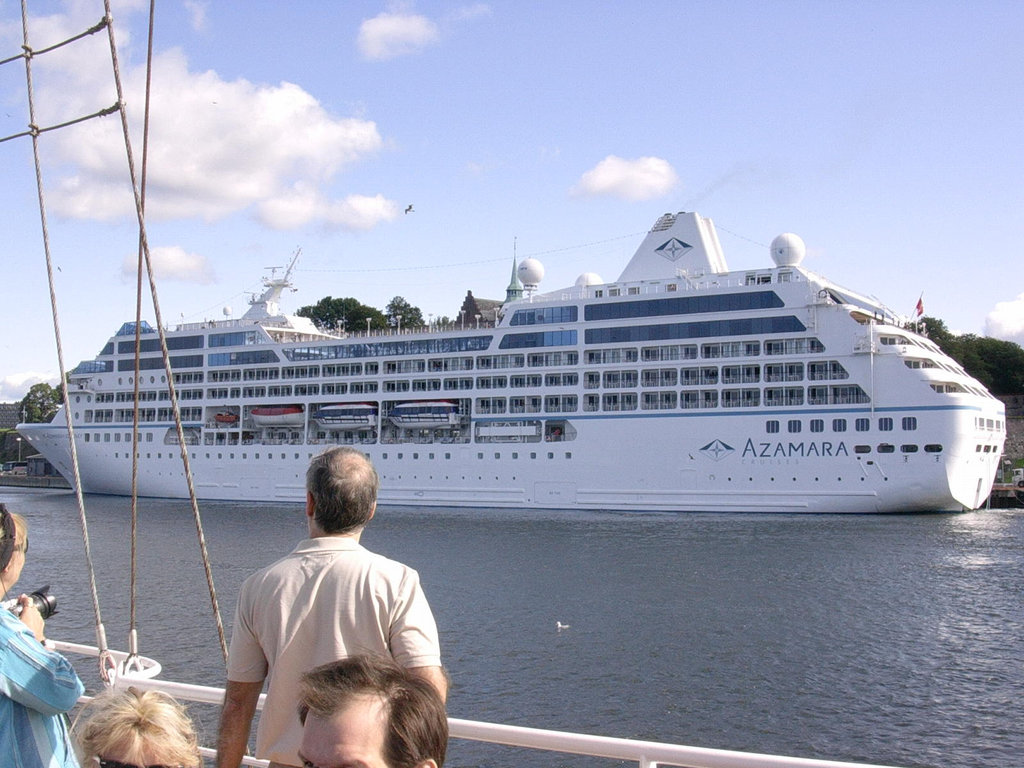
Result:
pixel 105 657
pixel 144 245
pixel 108 667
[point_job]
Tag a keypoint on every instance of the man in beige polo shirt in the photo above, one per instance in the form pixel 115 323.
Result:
pixel 327 600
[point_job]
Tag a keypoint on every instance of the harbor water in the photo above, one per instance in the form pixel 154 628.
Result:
pixel 885 639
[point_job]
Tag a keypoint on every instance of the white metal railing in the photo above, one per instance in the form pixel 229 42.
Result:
pixel 647 754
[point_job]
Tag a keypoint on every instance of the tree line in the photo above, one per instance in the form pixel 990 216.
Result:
pixel 999 365
pixel 350 315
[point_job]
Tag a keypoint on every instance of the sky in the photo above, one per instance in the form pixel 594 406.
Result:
pixel 886 134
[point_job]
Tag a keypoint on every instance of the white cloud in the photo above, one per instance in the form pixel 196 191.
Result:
pixel 15 386
pixel 303 204
pixel 171 263
pixel 216 147
pixel 470 12
pixel 361 212
pixel 197 12
pixel 390 35
pixel 642 179
pixel 1006 321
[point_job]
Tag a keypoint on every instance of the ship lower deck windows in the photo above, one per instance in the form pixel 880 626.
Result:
pixel 741 374
pixel 669 352
pixel 348 369
pixel 560 403
pixel 885 424
pixel 616 379
pixel 561 380
pixel 907 448
pixel 488 405
pixel 817 425
pixel 862 425
pixel 772 426
pixel 783 396
pixel 619 401
pixel 405 366
pixel 933 448
pixel 731 349
pixel 838 425
pixel 886 448
pixel 652 401
pixel 705 376
pixel 550 359
pixel 531 380
pixel 803 346
pixel 426 385
pixel 741 398
pixel 794 426
pixel 496 361
pixel 614 356
pixel 660 377
pixel 778 372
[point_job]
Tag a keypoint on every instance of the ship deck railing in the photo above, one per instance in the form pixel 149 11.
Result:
pixel 143 674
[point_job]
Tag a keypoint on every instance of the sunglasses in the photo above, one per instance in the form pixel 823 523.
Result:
pixel 104 763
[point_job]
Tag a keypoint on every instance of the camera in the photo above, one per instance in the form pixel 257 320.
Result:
pixel 44 602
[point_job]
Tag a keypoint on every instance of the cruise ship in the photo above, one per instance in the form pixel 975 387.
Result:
pixel 679 387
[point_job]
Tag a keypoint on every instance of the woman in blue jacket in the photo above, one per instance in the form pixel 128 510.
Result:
pixel 37 685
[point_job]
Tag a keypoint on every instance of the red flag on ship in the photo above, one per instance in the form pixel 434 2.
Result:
pixel 919 310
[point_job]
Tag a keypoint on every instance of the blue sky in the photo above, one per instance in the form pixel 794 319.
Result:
pixel 885 134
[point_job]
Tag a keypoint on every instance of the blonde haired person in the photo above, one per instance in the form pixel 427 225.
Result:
pixel 128 729
pixel 37 685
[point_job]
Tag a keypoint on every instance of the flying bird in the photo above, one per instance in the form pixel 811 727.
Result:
pixel 409 209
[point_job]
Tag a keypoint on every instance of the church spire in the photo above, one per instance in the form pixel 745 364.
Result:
pixel 515 287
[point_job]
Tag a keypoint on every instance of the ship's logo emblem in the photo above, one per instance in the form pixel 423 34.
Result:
pixel 717 450
pixel 674 249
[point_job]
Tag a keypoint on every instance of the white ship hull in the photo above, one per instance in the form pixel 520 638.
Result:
pixel 761 391
pixel 665 471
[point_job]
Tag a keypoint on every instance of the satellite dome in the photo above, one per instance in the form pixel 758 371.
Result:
pixel 226 311
pixel 788 250
pixel 589 278
pixel 530 271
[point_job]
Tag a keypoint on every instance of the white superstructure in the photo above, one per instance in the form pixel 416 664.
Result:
pixel 681 386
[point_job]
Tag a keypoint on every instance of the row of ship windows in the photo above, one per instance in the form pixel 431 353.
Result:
pixel 661 377
pixel 612 356
pixel 884 424
pixel 606 401
pixel 270 456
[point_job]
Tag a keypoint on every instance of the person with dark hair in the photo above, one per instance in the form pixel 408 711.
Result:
pixel 37 685
pixel 327 600
pixel 369 711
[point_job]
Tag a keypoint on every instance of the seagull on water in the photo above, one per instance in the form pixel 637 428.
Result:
pixel 560 626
